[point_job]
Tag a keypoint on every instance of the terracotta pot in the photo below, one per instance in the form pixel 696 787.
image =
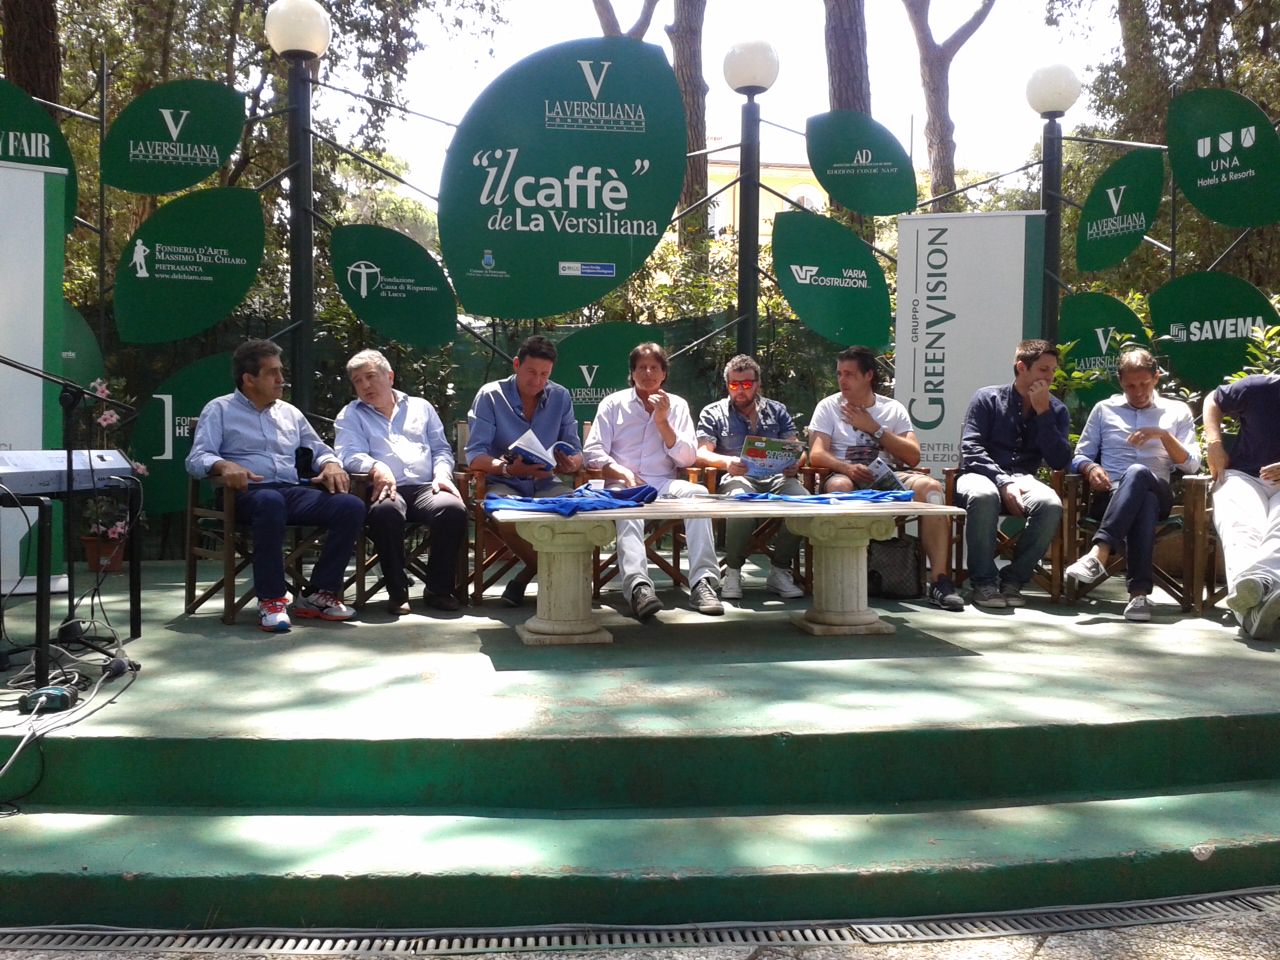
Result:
pixel 103 555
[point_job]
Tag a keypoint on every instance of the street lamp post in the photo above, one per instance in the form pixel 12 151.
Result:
pixel 749 68
pixel 1051 91
pixel 298 30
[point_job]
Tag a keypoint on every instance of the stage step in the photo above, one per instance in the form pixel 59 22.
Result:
pixel 217 868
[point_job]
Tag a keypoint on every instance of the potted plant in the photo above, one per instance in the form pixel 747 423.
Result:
pixel 104 519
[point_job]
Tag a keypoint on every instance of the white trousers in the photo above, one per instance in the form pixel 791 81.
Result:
pixel 1246 513
pixel 632 559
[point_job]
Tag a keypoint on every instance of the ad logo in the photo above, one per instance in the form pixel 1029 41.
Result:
pixel 594 114
pixel 364 270
pixel 808 275
pixel 594 83
pixel 139 261
pixel 1115 195
pixel 174 128
pixel 589 372
pixel 803 274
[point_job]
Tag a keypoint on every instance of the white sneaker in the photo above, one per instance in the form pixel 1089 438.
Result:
pixel 731 585
pixel 1246 594
pixel 783 584
pixel 273 615
pixel 1138 609
pixel 323 605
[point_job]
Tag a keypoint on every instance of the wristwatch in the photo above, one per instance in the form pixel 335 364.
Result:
pixel 878 435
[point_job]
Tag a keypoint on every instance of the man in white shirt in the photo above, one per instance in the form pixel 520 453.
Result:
pixel 1127 452
pixel 860 436
pixel 643 435
pixel 399 442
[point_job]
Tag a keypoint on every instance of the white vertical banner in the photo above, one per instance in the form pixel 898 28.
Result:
pixel 969 289
pixel 31 265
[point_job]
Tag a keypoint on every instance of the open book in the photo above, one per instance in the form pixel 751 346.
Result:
pixel 765 457
pixel 530 449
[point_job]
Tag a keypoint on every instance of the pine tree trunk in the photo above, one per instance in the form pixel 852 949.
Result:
pixel 32 58
pixel 686 45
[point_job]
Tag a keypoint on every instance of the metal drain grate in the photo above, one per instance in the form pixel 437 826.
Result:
pixel 354 943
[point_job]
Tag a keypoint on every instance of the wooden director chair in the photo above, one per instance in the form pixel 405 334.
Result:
pixel 1190 525
pixel 761 540
pixel 1049 569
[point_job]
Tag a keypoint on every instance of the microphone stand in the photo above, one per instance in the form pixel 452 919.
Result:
pixel 70 397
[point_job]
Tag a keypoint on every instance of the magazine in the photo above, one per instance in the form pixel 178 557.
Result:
pixel 530 449
pixel 765 458
pixel 883 477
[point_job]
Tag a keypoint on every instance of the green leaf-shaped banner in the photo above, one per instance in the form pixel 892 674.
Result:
pixel 595 362
pixel 165 426
pixel 860 163
pixel 831 279
pixel 395 286
pixel 1099 324
pixel 189 265
pixel 562 177
pixel 1225 156
pixel 1121 208
pixel 1204 322
pixel 172 136
pixel 29 136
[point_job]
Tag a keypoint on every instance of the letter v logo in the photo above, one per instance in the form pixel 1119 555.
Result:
pixel 1116 195
pixel 588 372
pixel 174 128
pixel 594 83
pixel 1104 336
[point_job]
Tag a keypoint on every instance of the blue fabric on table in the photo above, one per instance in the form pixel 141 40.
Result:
pixel 581 500
pixel 865 496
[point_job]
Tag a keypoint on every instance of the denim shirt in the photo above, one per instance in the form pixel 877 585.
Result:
pixel 998 442
pixel 497 419
pixel 721 423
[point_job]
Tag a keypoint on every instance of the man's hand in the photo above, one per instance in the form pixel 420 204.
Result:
pixel 1011 495
pixel 1039 394
pixel 1218 460
pixel 527 471
pixel 333 478
pixel 735 467
pixel 859 473
pixel 235 476
pixel 1097 477
pixel 1146 435
pixel 625 474
pixel 661 405
pixel 447 485
pixel 858 418
pixel 568 464
pixel 1270 473
pixel 384 483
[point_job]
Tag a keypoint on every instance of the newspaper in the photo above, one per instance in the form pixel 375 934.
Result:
pixel 765 458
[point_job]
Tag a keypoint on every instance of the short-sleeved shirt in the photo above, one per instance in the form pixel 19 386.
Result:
pixel 721 423
pixel 1255 402
pixel 850 444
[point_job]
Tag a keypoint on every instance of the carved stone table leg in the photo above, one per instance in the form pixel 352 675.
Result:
pixel 564 613
pixel 840 573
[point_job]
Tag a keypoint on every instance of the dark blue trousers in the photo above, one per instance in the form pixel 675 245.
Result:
pixel 268 509
pixel 1129 512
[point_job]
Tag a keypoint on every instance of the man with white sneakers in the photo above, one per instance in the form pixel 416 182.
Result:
pixel 1246 498
pixel 723 427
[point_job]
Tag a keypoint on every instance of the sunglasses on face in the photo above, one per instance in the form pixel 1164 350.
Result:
pixel 741 384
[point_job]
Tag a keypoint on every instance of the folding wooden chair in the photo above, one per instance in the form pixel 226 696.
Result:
pixel 760 541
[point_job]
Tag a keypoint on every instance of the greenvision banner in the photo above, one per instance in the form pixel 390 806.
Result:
pixel 165 427
pixel 860 163
pixel 1225 157
pixel 189 265
pixel 29 136
pixel 831 279
pixel 1120 210
pixel 1204 322
pixel 593 363
pixel 1099 325
pixel 395 286
pixel 562 177
pixel 172 136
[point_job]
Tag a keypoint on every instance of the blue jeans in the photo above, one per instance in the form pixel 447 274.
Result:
pixel 981 499
pixel 1129 512
pixel 269 509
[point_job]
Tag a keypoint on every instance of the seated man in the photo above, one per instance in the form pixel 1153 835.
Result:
pixel 500 414
pixel 643 435
pixel 399 441
pixel 1246 498
pixel 250 439
pixel 853 430
pixel 722 428
pixel 1009 430
pixel 1127 451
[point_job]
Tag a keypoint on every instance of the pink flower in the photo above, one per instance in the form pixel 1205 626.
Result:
pixel 109 418
pixel 140 468
pixel 100 388
pixel 118 530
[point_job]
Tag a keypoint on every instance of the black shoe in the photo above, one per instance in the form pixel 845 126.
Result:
pixel 943 594
pixel 513 594
pixel 644 601
pixel 440 601
pixel 398 603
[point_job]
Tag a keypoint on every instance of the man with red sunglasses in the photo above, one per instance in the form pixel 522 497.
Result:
pixel 723 426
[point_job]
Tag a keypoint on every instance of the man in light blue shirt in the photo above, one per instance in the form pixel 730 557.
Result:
pixel 399 441
pixel 1127 453
pixel 251 438
pixel 503 411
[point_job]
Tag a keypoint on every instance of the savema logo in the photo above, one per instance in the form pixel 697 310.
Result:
pixel 1224 328
pixel 585 200
pixel 594 114
pixel 849 277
